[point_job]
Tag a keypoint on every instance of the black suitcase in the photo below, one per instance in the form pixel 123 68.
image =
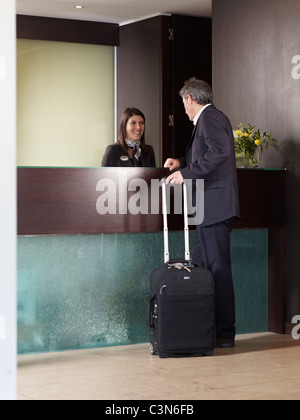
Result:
pixel 181 306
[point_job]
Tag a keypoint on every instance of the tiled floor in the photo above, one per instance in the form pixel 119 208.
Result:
pixel 262 366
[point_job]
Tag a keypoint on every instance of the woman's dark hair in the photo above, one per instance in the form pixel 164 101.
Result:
pixel 127 114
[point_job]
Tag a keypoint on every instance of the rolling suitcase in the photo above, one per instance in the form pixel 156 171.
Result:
pixel 181 305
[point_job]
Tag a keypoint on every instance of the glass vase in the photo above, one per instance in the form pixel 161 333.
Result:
pixel 244 160
pixel 254 160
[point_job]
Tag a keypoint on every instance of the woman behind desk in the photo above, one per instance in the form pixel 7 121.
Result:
pixel 130 149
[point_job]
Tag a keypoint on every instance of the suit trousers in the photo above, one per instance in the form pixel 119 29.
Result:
pixel 212 251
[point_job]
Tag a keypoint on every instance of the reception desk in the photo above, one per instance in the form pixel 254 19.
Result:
pixel 63 225
pixel 58 201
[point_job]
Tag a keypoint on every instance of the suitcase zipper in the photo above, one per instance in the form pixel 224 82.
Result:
pixel 178 290
pixel 162 289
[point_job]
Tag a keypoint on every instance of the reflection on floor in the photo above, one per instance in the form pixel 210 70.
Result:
pixel 262 366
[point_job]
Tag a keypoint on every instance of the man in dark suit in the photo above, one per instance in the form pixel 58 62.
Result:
pixel 210 156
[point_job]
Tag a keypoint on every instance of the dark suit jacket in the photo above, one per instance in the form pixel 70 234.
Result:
pixel 211 156
pixel 114 153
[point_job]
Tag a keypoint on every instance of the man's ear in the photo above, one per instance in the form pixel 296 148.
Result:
pixel 190 99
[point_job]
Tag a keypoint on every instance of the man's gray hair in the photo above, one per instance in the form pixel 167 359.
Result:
pixel 200 91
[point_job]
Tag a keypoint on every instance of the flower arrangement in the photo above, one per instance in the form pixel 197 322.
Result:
pixel 249 143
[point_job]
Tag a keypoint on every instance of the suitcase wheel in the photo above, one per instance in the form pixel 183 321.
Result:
pixel 152 350
pixel 208 353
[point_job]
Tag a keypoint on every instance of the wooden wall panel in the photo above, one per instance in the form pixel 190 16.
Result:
pixel 178 47
pixel 257 80
pixel 66 30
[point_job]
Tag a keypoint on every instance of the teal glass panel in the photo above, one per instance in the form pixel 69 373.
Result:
pixel 249 254
pixel 89 291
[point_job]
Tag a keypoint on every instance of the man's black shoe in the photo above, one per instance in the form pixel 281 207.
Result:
pixel 225 343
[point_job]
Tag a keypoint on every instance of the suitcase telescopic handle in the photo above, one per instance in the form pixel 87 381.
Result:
pixel 165 219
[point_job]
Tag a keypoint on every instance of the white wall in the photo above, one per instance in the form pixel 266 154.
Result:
pixel 7 201
pixel 65 103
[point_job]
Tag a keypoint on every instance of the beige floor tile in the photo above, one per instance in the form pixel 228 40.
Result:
pixel 262 366
pixel 276 390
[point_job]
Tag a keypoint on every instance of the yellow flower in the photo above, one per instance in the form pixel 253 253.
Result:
pixel 239 133
pixel 258 142
pixel 246 134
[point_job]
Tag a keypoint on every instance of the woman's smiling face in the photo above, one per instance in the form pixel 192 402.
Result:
pixel 135 128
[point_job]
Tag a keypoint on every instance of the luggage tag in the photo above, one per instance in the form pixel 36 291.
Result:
pixel 179 266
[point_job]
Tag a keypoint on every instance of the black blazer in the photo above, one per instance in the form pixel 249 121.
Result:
pixel 210 156
pixel 115 156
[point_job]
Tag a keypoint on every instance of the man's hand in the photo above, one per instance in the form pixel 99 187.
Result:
pixel 172 164
pixel 175 178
